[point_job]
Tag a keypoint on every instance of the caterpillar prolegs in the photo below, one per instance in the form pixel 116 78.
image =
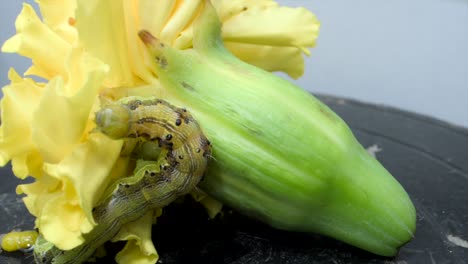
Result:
pixel 182 155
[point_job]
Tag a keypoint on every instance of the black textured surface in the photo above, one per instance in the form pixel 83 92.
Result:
pixel 428 157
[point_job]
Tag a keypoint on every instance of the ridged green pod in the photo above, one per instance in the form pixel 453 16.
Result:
pixel 279 154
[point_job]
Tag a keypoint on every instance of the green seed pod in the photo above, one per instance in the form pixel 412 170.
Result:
pixel 279 154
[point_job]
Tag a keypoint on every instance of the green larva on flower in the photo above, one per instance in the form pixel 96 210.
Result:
pixel 179 163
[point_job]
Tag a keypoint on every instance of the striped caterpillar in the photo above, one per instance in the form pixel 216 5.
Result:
pixel 161 175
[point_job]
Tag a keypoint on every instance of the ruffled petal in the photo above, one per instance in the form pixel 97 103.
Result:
pixel 270 58
pixel 274 26
pixel 59 16
pixel 139 248
pixel 88 168
pixel 18 103
pixel 38 194
pixel 270 31
pixel 56 134
pixel 37 41
pixel 61 219
pixel 28 164
pixel 62 200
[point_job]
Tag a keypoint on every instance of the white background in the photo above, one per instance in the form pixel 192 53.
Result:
pixel 411 54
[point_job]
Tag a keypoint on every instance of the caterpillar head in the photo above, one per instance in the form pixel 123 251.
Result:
pixel 113 121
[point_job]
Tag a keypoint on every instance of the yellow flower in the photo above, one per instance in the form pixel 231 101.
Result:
pixel 87 48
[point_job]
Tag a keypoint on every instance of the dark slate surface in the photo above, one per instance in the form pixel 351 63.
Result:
pixel 428 157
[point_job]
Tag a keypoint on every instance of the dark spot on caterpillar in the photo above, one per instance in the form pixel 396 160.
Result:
pixel 204 143
pixel 245 8
pixel 164 143
pixel 164 179
pixel 197 150
pixel 152 174
pixel 187 86
pixel 143 120
pixel 206 154
pixel 168 136
pixel 160 142
pixel 132 135
pixel 202 178
pixel 178 122
pixel 182 114
pixel 153 102
pixel 134 105
pixel 181 157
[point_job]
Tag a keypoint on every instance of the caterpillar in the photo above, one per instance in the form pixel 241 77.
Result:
pixel 160 176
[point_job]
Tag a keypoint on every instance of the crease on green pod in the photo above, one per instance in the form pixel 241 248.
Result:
pixel 280 154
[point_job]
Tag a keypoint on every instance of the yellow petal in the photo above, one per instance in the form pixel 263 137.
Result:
pixel 59 16
pixel 101 27
pixel 212 206
pixel 38 42
pixel 183 14
pixel 229 8
pixel 83 72
pixel 185 38
pixel 139 248
pixel 38 194
pixel 285 59
pixel 63 198
pixel 154 14
pixel 88 169
pixel 27 164
pixel 62 221
pixel 56 134
pixel 18 103
pixel 58 215
pixel 273 26
pixel 139 58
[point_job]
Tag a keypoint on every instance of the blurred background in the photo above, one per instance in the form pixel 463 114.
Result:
pixel 411 55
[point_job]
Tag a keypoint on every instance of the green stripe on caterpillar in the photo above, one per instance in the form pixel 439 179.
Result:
pixel 170 170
